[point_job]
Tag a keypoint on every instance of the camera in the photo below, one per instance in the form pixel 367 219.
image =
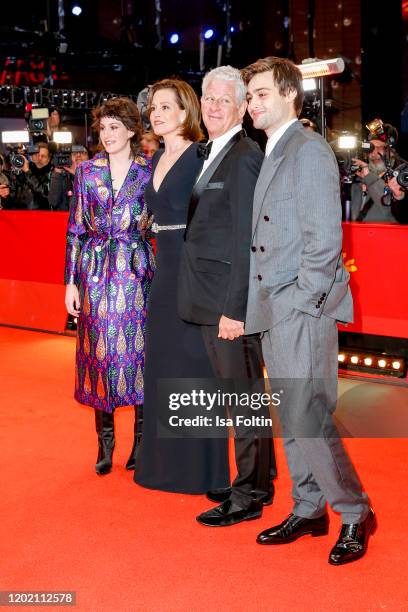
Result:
pixel 38 120
pixel 62 149
pixel 346 147
pixel 17 142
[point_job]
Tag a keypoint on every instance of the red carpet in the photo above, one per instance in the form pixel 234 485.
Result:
pixel 121 547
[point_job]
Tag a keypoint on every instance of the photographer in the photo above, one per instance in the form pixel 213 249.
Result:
pixel 62 180
pixel 4 185
pixel 377 196
pixel 29 187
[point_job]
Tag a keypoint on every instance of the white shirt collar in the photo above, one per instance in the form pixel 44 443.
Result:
pixel 276 136
pixel 218 144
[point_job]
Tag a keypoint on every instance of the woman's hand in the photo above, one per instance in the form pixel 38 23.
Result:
pixel 72 301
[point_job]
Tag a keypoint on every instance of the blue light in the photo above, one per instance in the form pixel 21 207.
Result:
pixel 232 29
pixel 174 38
pixel 208 33
pixel 76 10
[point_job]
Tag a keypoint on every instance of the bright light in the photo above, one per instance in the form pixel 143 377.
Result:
pixel 342 357
pixel 396 365
pixel 346 142
pixel 76 10
pixel 208 33
pixel 354 359
pixel 174 38
pixel 62 137
pixel 232 29
pixel 368 361
pixel 321 68
pixel 382 363
pixel 309 84
pixel 15 137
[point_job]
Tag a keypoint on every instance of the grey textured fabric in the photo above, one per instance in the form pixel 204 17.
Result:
pixel 298 289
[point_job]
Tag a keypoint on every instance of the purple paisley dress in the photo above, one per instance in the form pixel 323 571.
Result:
pixel 111 261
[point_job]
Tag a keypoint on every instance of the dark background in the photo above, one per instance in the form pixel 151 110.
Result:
pixel 123 45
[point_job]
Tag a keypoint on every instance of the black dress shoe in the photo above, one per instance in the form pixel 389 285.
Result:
pixel 293 528
pixel 229 514
pixel 221 495
pixel 353 541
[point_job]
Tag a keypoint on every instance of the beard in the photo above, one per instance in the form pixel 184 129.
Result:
pixel 378 166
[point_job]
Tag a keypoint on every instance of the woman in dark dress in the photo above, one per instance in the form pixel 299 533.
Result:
pixel 174 349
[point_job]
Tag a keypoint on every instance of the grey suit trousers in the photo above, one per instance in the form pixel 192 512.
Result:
pixel 302 350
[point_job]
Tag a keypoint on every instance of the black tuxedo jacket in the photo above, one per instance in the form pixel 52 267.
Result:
pixel 214 268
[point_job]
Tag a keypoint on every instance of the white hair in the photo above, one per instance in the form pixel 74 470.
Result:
pixel 227 73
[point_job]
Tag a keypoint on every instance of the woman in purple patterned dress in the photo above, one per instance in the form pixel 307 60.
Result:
pixel 109 267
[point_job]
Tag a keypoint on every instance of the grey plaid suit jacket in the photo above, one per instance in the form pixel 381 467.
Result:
pixel 296 252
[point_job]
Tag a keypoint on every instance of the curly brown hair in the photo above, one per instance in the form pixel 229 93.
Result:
pixel 124 110
pixel 286 76
pixel 187 100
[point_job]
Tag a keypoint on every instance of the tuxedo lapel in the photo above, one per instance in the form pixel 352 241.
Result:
pixel 202 182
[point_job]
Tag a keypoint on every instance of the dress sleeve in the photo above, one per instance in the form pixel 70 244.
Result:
pixel 76 229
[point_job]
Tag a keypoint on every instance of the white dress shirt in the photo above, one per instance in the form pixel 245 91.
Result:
pixel 272 140
pixel 218 144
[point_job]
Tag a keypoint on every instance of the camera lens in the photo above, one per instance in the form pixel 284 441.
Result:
pixel 17 161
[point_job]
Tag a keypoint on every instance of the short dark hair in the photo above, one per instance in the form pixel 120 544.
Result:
pixel 124 110
pixel 187 100
pixel 286 75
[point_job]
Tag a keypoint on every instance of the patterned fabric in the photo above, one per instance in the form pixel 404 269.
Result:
pixel 111 261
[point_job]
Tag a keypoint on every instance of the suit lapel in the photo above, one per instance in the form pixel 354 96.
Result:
pixel 268 171
pixel 201 184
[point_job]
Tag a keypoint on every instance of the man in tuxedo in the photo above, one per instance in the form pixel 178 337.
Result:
pixel 213 282
pixel 298 289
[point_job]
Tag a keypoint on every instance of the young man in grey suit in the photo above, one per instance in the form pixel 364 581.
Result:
pixel 298 289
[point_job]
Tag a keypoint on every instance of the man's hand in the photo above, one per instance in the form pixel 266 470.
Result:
pixel 4 191
pixel 363 165
pixel 26 166
pixel 397 192
pixel 72 301
pixel 229 329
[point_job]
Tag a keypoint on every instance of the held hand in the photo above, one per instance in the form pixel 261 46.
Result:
pixel 229 329
pixel 72 301
pixel 397 192
pixel 363 167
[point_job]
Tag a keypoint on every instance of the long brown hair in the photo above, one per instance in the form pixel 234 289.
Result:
pixel 124 110
pixel 187 100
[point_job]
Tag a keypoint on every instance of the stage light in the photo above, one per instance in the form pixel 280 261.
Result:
pixel 309 84
pixel 208 34
pixel 76 10
pixel 174 38
pixel 382 363
pixel 341 357
pixel 354 359
pixel 396 365
pixel 232 29
pixel 368 361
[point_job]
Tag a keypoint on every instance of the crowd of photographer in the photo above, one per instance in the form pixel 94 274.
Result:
pixel 374 178
pixel 38 173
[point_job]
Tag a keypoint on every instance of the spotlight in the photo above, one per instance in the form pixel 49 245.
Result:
pixel 368 361
pixel 354 359
pixel 346 142
pixel 232 29
pixel 382 363
pixel 341 357
pixel 208 34
pixel 396 365
pixel 174 38
pixel 76 10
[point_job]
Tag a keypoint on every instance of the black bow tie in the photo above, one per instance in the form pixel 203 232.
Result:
pixel 204 149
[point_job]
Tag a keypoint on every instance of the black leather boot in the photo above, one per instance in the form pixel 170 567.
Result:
pixel 105 429
pixel 138 429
